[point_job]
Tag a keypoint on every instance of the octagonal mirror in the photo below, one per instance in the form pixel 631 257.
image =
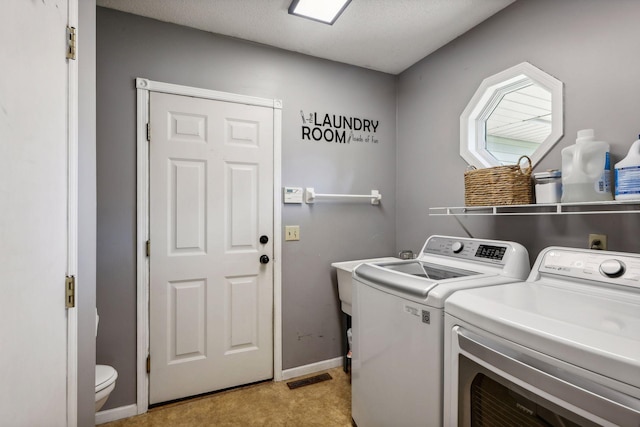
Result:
pixel 513 113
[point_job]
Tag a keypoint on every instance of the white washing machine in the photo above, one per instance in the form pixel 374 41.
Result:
pixel 398 325
pixel 560 349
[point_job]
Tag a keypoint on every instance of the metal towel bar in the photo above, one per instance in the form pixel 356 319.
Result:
pixel 310 196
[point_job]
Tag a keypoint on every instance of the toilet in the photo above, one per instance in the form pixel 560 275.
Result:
pixel 105 383
pixel 106 378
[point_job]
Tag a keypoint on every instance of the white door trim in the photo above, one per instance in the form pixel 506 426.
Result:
pixel 72 223
pixel 143 87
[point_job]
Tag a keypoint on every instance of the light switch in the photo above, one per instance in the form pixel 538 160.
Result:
pixel 292 232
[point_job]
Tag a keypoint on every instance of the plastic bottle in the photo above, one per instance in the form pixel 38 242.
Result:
pixel 548 186
pixel 627 174
pixel 586 170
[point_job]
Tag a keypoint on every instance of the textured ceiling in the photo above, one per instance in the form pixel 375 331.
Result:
pixel 382 35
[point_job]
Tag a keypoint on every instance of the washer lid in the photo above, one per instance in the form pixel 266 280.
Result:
pixel 427 270
pixel 599 332
pixel 412 277
pixel 105 375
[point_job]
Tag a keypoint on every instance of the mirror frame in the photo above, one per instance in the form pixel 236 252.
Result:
pixel 489 93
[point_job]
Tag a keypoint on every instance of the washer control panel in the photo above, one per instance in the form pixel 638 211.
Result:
pixel 471 249
pixel 611 267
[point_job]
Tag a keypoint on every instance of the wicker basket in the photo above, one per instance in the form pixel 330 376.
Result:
pixel 500 185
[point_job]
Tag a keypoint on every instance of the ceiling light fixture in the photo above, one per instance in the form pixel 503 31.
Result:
pixel 325 11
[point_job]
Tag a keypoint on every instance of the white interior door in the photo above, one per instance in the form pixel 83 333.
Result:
pixel 33 213
pixel 211 200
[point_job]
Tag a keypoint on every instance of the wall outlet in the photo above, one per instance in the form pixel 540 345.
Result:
pixel 292 232
pixel 598 242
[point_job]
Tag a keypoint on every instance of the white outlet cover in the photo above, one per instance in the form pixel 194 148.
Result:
pixel 292 232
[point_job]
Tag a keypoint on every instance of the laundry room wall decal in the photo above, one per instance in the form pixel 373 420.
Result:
pixel 338 128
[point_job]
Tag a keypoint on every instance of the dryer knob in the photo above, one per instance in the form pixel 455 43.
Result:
pixel 612 268
pixel 457 247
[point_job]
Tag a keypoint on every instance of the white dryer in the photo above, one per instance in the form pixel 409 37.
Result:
pixel 560 349
pixel 398 325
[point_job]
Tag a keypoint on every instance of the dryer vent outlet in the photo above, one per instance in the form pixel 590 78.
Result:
pixel 597 242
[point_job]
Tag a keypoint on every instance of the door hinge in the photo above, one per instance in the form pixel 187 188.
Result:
pixel 148 132
pixel 71 43
pixel 148 247
pixel 148 364
pixel 70 292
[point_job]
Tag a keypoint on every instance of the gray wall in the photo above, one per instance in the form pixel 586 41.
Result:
pixel 86 212
pixel 130 47
pixel 590 45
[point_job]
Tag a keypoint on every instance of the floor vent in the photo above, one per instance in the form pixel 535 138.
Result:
pixel 309 381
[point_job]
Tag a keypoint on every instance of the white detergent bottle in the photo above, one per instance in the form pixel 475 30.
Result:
pixel 627 174
pixel 586 170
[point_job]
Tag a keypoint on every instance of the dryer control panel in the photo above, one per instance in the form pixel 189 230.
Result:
pixel 603 266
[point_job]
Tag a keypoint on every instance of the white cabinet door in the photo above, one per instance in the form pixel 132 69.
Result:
pixel 211 199
pixel 33 213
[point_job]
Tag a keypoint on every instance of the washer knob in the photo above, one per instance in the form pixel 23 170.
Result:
pixel 612 268
pixel 457 247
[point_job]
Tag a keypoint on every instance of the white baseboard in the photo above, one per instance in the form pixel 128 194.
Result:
pixel 116 414
pixel 299 371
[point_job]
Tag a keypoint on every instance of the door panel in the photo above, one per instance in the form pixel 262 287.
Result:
pixel 34 108
pixel 211 198
pixel 186 310
pixel 187 199
pixel 242 312
pixel 241 219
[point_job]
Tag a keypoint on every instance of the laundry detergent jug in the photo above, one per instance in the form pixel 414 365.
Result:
pixel 627 174
pixel 586 170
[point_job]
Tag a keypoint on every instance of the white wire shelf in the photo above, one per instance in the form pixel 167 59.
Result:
pixel 583 208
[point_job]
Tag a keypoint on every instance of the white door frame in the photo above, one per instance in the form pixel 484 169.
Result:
pixel 72 222
pixel 58 135
pixel 143 89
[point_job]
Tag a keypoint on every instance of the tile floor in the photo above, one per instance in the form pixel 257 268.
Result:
pixel 327 403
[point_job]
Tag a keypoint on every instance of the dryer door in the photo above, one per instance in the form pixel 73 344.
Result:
pixel 503 384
